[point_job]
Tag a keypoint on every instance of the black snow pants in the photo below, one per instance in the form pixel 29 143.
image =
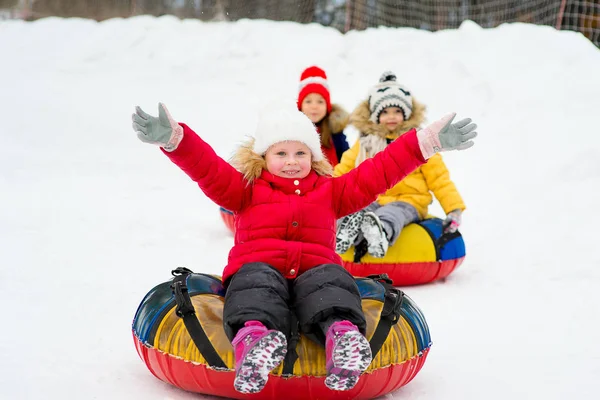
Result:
pixel 310 303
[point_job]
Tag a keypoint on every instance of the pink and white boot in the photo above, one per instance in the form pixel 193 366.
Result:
pixel 348 355
pixel 258 351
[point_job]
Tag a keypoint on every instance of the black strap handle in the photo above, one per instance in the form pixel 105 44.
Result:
pixel 292 354
pixel 390 315
pixel 185 310
pixel 442 240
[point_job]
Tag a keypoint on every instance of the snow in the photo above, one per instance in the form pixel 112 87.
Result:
pixel 91 219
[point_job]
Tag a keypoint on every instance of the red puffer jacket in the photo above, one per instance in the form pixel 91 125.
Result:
pixel 290 223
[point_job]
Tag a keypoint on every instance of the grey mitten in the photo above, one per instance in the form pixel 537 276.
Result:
pixel 443 135
pixel 452 221
pixel 162 131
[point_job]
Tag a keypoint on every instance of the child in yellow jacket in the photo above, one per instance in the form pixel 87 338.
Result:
pixel 389 112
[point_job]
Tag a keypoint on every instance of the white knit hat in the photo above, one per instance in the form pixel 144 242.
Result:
pixel 285 123
pixel 389 93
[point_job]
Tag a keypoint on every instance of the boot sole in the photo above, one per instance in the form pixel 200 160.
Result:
pixel 264 356
pixel 377 248
pixel 352 227
pixel 351 357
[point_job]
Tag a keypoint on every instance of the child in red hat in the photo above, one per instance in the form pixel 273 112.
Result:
pixel 330 119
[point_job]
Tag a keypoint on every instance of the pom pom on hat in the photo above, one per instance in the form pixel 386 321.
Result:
pixel 281 123
pixel 389 93
pixel 313 80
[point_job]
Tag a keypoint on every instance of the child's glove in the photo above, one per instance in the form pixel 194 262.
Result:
pixel 443 135
pixel 162 131
pixel 452 221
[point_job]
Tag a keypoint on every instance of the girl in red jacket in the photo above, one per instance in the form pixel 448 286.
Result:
pixel 330 119
pixel 283 266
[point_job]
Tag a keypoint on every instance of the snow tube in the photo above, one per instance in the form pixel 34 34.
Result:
pixel 422 254
pixel 203 362
pixel 228 219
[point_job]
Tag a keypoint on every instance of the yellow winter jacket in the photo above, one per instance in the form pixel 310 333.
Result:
pixel 417 187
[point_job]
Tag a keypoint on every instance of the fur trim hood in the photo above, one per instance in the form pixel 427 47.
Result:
pixel 337 118
pixel 251 164
pixel 361 114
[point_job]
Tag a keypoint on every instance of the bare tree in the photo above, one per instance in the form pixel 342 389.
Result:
pixel 9 3
pixel 82 8
pixel 220 13
pixel 306 13
pixel 357 11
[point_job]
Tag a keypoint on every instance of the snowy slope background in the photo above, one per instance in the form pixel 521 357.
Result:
pixel 91 219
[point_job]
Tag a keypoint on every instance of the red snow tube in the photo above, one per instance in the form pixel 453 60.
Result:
pixel 165 345
pixel 422 254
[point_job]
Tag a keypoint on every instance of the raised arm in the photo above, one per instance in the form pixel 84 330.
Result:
pixel 360 187
pixel 217 179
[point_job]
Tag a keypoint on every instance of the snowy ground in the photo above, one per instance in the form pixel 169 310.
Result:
pixel 91 218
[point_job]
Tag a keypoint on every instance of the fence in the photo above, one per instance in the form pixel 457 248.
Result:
pixel 577 15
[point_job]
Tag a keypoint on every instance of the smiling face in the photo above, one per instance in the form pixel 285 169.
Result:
pixel 314 107
pixel 290 159
pixel 391 117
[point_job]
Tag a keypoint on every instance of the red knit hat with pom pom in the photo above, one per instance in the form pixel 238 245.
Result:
pixel 313 80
